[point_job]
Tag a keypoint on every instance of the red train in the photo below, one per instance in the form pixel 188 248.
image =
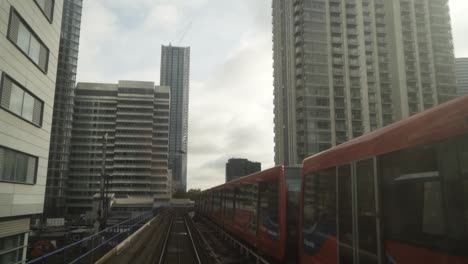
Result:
pixel 395 195
pixel 261 209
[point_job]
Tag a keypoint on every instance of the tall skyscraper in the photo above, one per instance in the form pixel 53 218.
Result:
pixel 175 66
pixel 461 70
pixel 344 68
pixel 236 168
pixel 59 154
pixel 29 46
pixel 135 117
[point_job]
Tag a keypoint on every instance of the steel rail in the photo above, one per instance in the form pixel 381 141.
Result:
pixel 166 240
pixel 191 239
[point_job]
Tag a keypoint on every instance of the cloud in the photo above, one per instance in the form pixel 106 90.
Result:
pixel 232 112
pixel 231 89
pixel 162 17
pixel 458 11
pixel 231 83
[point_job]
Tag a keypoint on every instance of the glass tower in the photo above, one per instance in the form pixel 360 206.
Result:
pixel 175 63
pixel 63 110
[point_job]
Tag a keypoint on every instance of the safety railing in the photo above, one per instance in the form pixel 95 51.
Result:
pixel 92 248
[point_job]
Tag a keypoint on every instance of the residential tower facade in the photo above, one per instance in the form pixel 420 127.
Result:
pixel 128 123
pixel 345 68
pixel 461 69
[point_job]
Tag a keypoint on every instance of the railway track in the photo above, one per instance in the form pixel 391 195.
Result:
pixel 179 245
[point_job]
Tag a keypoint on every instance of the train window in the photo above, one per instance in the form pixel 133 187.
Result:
pixel 268 209
pixel 246 213
pixel 366 209
pixel 453 159
pixel 229 204
pixel 217 203
pixel 319 212
pixel 345 214
pixel 463 161
pixel 412 197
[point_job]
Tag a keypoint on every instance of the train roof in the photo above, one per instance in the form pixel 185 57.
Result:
pixel 264 175
pixel 446 120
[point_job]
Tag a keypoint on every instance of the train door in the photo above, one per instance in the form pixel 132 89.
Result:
pixel 358 221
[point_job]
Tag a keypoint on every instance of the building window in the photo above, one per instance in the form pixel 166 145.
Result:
pixel 27 41
pixel 19 101
pixel 11 249
pixel 17 167
pixel 47 8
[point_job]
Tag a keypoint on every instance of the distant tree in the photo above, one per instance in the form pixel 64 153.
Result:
pixel 193 194
pixel 179 195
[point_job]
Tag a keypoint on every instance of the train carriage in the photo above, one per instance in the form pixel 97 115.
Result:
pixel 396 195
pixel 255 209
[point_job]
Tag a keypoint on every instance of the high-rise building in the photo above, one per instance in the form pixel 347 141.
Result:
pixel 344 68
pixel 132 119
pixel 236 168
pixel 175 66
pixel 461 70
pixel 59 154
pixel 29 46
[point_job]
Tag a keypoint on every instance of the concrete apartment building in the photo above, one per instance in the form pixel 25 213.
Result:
pixel 59 154
pixel 236 168
pixel 135 117
pixel 175 69
pixel 461 71
pixel 29 45
pixel 345 68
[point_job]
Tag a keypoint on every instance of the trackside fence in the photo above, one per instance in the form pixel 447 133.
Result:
pixel 92 248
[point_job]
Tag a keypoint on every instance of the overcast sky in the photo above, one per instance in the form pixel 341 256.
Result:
pixel 231 75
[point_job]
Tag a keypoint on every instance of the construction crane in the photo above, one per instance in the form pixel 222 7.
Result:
pixel 184 33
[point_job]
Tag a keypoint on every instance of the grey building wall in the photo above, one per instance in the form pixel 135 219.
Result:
pixel 135 116
pixel 358 65
pixel 59 155
pixel 175 68
pixel 461 69
pixel 29 45
pixel 236 168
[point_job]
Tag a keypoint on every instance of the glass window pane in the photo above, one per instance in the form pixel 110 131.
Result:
pixel 8 243
pixel 345 213
pixel 268 209
pixel 411 187
pixel 366 211
pixel 23 38
pixel 8 165
pixel 11 257
pixel 28 107
pixel 16 99
pixel 319 219
pixel 2 163
pixel 21 167
pixel 34 50
pixel 246 213
pixel 229 204
pixel 465 198
pixel 433 215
